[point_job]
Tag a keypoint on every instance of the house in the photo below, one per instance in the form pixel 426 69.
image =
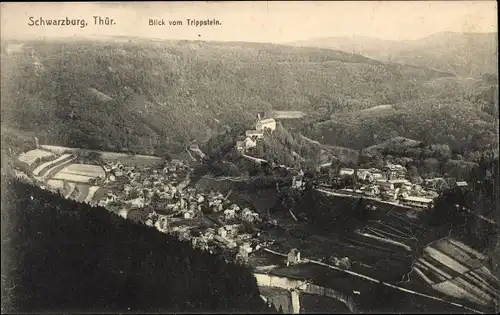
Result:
pixel 400 183
pixel 376 173
pixel 240 145
pixel 346 172
pixel 462 184
pixel 365 175
pixel 137 202
pixel 222 232
pixel 188 215
pixel 264 124
pixel 389 194
pixel 235 207
pixel 232 229
pixel 162 223
pixel 242 254
pixel 151 219
pixel 229 214
pixel 118 173
pixel 110 197
pixel 249 143
pixel 297 182
pixel 254 133
pixel 193 147
pixel 246 246
pixel 293 257
pixel 249 216
pixel 225 241
pixel 372 190
pixel 394 171
pixel 385 185
pixel 419 202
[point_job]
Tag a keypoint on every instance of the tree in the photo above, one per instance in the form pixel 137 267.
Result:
pixel 412 171
pixel 133 268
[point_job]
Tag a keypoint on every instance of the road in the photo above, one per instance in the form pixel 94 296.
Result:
pixel 305 260
pixel 338 194
pixel 325 146
pixel 257 160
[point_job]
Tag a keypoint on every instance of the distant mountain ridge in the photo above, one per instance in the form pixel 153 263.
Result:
pixel 465 54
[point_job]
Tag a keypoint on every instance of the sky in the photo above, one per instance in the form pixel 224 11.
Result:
pixel 262 21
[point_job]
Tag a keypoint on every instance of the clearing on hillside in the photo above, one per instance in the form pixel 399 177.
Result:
pixel 85 170
pixel 32 156
pixel 49 164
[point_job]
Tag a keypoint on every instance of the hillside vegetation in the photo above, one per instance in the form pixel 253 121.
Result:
pixel 454 121
pixel 59 255
pixel 148 95
pixel 465 54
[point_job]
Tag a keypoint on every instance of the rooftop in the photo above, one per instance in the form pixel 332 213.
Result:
pixel 418 199
pixel 395 167
pixel 253 132
pixel 267 120
pixel 398 181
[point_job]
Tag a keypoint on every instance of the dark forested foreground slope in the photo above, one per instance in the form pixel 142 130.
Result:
pixel 59 255
pixel 143 95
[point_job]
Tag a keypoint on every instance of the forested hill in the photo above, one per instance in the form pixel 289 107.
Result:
pixel 59 255
pixel 144 95
pixel 465 54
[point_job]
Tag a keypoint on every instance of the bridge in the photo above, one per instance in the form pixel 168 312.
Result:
pixel 298 286
pixel 295 287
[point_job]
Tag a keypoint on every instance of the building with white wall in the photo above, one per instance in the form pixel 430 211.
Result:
pixel 264 124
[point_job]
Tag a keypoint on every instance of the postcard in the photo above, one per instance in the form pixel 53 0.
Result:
pixel 250 157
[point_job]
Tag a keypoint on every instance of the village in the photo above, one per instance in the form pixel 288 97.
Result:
pixel 162 197
pixel 389 184
pixel 157 194
pixel 160 193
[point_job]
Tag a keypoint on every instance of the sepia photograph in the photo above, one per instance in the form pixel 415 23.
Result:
pixel 267 157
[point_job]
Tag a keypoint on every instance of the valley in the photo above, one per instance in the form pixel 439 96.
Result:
pixel 349 175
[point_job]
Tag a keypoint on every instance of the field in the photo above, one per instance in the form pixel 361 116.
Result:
pixel 83 191
pixel 457 270
pixel 85 170
pixel 383 261
pixel 48 165
pixel 91 195
pixel 69 188
pixel 100 193
pixel 80 173
pixel 124 158
pixel 31 156
pixel 72 177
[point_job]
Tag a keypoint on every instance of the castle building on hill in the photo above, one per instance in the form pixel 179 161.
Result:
pixel 264 124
